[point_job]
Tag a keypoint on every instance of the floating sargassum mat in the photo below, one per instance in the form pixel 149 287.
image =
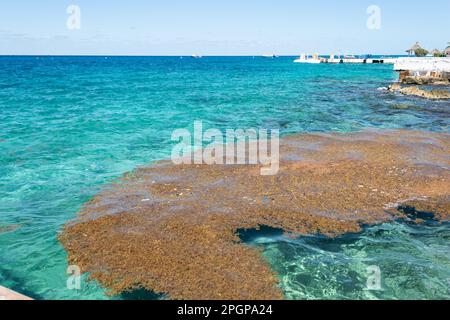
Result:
pixel 172 229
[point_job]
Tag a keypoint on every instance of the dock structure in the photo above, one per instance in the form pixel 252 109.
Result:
pixel 414 64
pixel 7 294
pixel 338 60
pixel 361 60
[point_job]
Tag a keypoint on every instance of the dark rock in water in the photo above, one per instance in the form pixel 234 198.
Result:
pixel 400 106
pixel 414 214
pixel 424 81
pixel 431 209
pixel 424 77
pixel 140 294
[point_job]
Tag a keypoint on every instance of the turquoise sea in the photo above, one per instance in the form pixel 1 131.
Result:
pixel 70 125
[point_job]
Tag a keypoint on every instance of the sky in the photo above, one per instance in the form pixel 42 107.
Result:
pixel 221 27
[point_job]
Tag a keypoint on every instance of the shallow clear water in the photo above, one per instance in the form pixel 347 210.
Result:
pixel 388 261
pixel 68 125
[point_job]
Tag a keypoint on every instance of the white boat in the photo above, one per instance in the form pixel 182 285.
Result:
pixel 305 59
pixel 196 56
pixel 270 56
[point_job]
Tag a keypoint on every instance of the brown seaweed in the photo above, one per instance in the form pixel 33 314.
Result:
pixel 173 229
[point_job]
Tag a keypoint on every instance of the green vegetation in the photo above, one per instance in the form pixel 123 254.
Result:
pixel 420 52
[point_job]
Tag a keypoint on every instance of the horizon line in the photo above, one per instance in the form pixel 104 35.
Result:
pixel 187 55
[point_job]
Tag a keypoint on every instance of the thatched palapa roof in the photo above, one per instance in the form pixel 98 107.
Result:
pixel 414 47
pixel 435 51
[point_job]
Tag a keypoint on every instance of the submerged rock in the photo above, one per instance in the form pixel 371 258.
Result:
pixel 184 242
pixel 9 228
pixel 400 106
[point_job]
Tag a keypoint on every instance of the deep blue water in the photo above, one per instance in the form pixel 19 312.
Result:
pixel 69 125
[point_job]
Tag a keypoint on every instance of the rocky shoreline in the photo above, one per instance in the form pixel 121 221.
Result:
pixel 434 94
pixel 424 80
pixel 415 73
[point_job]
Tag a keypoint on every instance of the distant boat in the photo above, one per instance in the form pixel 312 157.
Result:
pixel 305 59
pixel 270 56
pixel 196 56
